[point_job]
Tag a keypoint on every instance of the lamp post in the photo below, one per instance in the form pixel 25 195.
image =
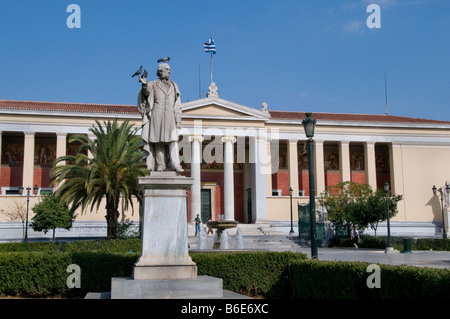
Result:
pixel 35 191
pixel 291 232
pixel 309 125
pixel 389 244
pixel 441 192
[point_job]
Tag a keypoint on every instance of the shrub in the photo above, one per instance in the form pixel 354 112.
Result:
pixel 33 274
pixel 347 280
pixel 260 274
pixel 251 273
pixel 433 243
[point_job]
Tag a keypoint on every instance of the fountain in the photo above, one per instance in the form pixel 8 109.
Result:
pixel 224 240
pixel 202 239
pixel 239 239
pixel 220 225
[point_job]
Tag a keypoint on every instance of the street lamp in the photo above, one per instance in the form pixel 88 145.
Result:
pixel 35 191
pixel 389 244
pixel 291 232
pixel 309 125
pixel 441 192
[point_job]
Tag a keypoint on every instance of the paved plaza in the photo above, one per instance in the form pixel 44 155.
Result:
pixel 437 259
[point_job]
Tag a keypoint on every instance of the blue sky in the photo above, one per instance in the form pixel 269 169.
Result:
pixel 316 56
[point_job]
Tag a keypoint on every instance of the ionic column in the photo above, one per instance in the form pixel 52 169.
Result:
pixel 261 164
pixel 344 161
pixel 319 167
pixel 228 196
pixel 61 145
pixel 196 160
pixel 28 160
pixel 370 164
pixel 61 148
pixel 293 166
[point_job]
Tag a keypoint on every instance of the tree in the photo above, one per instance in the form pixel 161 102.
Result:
pixel 376 209
pixel 17 212
pixel 51 214
pixel 350 203
pixel 111 172
pixel 344 200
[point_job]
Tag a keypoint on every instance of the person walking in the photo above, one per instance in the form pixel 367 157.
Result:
pixel 355 237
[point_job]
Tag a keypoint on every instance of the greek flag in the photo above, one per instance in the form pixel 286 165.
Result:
pixel 210 46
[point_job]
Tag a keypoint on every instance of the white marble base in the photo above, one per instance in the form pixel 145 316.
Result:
pixel 198 288
pixel 164 238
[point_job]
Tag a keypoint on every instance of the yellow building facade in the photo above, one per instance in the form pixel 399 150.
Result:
pixel 266 151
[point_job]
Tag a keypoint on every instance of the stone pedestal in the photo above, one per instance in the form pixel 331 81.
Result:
pixel 201 287
pixel 165 269
pixel 164 237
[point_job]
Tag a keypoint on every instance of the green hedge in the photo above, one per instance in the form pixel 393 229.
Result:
pixel 105 246
pixel 253 274
pixel 348 280
pixel 433 243
pixel 379 242
pixel 27 272
pixel 33 274
pixel 43 274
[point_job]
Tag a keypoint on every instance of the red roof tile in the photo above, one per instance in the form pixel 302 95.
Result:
pixel 347 117
pixel 132 109
pixel 68 107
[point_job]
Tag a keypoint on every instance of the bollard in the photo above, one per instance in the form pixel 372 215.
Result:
pixel 406 245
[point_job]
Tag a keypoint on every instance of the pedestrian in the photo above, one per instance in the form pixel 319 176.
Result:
pixel 198 221
pixel 355 237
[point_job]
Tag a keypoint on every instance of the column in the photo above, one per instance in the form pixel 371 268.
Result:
pixel 344 161
pixel 267 159
pixel 28 160
pixel 61 145
pixel 370 165
pixel 92 138
pixel 293 166
pixel 61 148
pixel 319 167
pixel 228 196
pixel 260 159
pixel 196 160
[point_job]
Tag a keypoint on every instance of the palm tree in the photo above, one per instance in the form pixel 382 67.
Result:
pixel 111 172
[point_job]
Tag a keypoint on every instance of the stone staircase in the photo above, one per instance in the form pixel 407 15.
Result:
pixel 255 237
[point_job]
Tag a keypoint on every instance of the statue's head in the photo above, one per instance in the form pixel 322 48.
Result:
pixel 163 71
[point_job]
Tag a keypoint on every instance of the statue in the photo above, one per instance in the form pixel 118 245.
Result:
pixel 160 107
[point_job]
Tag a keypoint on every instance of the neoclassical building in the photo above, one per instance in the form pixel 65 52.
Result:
pixel 243 160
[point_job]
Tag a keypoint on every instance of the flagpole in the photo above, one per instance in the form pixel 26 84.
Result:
pixel 385 93
pixel 211 62
pixel 211 68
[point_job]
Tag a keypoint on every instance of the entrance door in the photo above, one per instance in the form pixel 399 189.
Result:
pixel 205 205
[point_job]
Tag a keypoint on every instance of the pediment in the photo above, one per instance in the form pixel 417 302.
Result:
pixel 216 108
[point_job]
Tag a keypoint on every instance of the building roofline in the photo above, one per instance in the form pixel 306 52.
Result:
pixel 285 117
